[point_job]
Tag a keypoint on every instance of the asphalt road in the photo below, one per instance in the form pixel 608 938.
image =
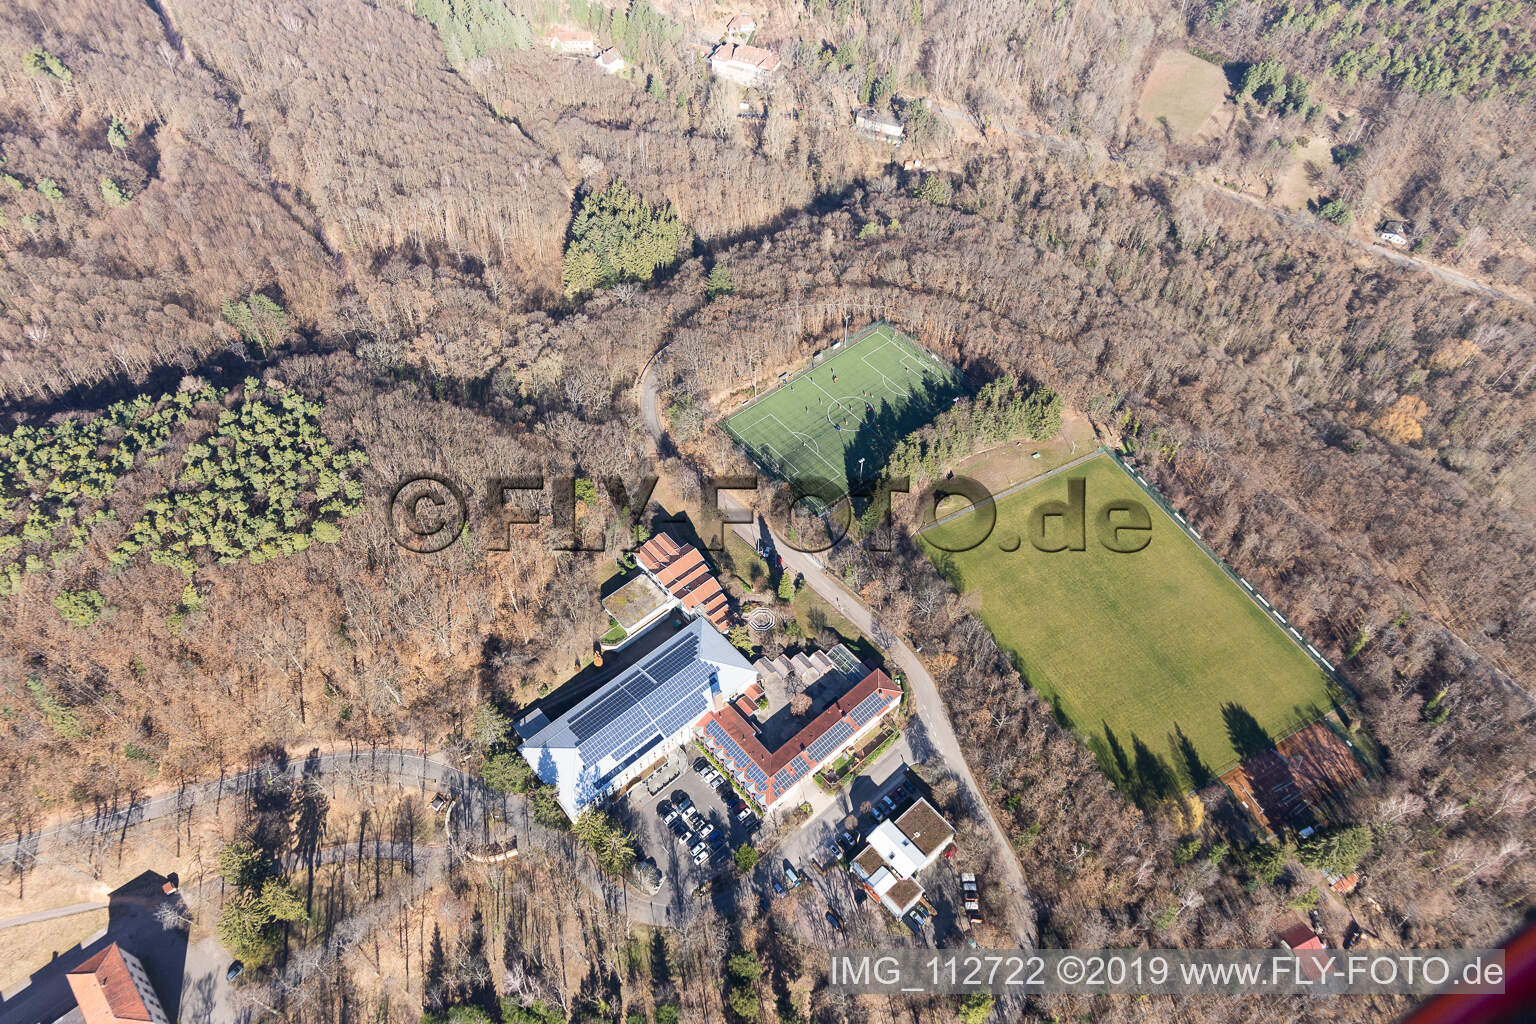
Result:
pixel 927 704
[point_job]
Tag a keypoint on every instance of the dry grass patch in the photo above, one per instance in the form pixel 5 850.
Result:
pixel 1182 90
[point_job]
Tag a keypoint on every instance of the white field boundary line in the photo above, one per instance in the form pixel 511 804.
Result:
pixel 1271 612
pixel 808 443
pixel 873 330
pixel 881 331
pixel 835 400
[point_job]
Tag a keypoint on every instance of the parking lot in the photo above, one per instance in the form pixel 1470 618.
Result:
pixel 692 827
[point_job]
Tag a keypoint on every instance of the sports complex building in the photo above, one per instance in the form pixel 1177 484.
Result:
pixel 694 683
pixel 638 717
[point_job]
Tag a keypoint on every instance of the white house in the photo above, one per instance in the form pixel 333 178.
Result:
pixel 610 61
pixel 563 39
pixel 1394 232
pixel 744 65
pixel 112 987
pixel 740 28
pixel 897 850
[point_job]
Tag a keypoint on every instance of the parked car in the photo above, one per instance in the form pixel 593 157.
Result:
pixel 717 841
pixel 778 887
pixel 972 898
pixel 682 801
pixel 834 921
pixel 701 765
pixel 835 850
pixel 700 857
pixel 878 812
pixel 743 812
pixel 918 914
pixel 235 970
pixel 665 810
pixel 791 876
pixel 698 847
pixel 679 829
pixel 889 803
pixel 848 840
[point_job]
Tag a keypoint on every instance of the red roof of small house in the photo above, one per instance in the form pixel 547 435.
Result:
pixel 1299 936
pixel 741 23
pixel 105 990
pixel 1346 885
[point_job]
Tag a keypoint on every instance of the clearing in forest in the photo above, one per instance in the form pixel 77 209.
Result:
pixel 1157 652
pixel 850 407
pixel 1184 90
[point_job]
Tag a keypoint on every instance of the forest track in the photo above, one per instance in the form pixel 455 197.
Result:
pixel 1439 271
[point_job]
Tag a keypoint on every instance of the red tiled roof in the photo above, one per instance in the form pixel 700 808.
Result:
pixel 752 56
pixel 740 22
pixel 105 990
pixel 1299 936
pixel 741 730
pixel 682 570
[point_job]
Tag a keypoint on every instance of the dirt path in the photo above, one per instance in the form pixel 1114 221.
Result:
pixel 1438 271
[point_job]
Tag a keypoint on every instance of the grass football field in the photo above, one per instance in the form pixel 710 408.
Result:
pixel 1150 644
pixel 856 403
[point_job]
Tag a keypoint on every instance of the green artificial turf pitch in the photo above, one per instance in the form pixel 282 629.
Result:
pixel 1148 644
pixel 856 403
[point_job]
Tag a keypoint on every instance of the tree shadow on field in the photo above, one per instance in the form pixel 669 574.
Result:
pixel 1195 771
pixel 1247 735
pixel 948 569
pixel 1141 775
pixel 883 424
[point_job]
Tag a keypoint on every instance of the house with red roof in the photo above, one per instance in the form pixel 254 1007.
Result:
pixel 744 65
pixel 112 987
pixel 682 572
pixel 770 776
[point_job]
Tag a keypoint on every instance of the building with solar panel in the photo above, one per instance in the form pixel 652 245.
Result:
pixel 770 776
pixel 638 717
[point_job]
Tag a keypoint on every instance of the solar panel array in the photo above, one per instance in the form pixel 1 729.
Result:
pixel 790 774
pixel 664 694
pixel 870 708
pixel 746 768
pixel 829 741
